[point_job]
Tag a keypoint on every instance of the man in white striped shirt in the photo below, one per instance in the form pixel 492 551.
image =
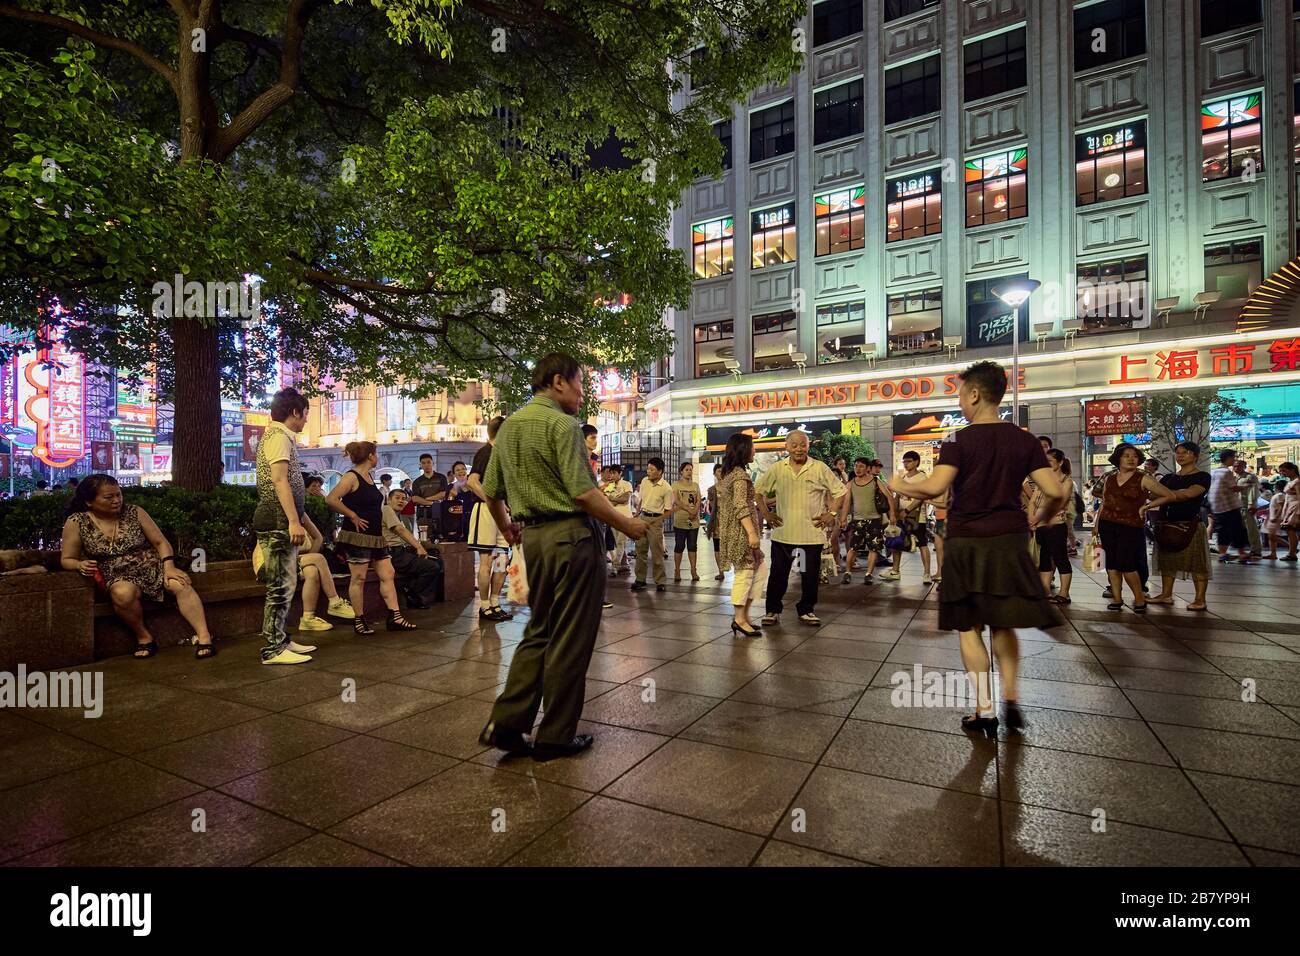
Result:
pixel 807 494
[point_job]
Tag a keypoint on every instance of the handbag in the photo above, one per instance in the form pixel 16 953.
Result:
pixel 1174 536
pixel 882 501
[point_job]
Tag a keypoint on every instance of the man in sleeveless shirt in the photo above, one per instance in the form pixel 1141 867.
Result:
pixel 281 523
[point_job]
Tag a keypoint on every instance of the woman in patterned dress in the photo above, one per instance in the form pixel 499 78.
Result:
pixel 120 546
pixel 738 525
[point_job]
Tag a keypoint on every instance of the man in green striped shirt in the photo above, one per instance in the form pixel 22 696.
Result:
pixel 540 463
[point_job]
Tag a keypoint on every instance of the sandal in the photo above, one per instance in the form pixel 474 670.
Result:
pixel 1115 606
pixel 1156 600
pixel 150 649
pixel 1197 607
pixel 204 651
pixel 1057 599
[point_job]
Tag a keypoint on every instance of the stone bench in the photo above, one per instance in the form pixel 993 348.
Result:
pixel 55 620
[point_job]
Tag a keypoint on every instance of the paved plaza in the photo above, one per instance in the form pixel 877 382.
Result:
pixel 714 750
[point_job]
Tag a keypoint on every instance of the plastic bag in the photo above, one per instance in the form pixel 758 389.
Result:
pixel 1092 555
pixel 517 578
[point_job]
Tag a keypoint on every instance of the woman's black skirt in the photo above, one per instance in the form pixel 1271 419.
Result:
pixel 992 582
pixel 1123 544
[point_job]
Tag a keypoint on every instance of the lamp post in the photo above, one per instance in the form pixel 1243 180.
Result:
pixel 1015 293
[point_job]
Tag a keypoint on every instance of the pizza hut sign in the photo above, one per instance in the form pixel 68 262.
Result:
pixel 1115 416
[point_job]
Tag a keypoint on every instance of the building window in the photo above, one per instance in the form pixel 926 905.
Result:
pixel 1232 137
pixel 837 112
pixel 995 65
pixel 396 411
pixel 698 77
pixel 1110 163
pixel 1123 32
pixel 988 318
pixel 341 414
pixel 1220 16
pixel 712 245
pixel 836 19
pixel 894 9
pixel 1113 295
pixel 996 188
pixel 776 339
pixel 841 220
pixel 841 332
pixel 1235 267
pixel 772 236
pixel 715 343
pixel 912 90
pixel 916 322
pixel 771 132
pixel 723 132
pixel 913 206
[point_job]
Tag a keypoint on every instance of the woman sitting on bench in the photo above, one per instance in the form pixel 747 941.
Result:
pixel 122 549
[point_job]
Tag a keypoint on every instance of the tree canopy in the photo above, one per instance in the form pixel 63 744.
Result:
pixel 412 183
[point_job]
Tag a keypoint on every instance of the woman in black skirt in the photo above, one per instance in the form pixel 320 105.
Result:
pixel 989 578
pixel 361 540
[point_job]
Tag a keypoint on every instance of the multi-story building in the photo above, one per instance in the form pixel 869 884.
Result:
pixel 1137 157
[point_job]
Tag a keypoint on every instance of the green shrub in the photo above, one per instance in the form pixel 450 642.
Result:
pixel 217 521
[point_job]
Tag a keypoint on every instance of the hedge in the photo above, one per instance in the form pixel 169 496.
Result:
pixel 217 521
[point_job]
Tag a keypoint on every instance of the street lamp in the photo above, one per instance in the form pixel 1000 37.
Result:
pixel 1015 293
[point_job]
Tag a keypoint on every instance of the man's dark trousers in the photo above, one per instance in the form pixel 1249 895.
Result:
pixel 565 563
pixel 783 557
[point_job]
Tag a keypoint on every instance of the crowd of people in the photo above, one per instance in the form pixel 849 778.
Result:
pixel 992 523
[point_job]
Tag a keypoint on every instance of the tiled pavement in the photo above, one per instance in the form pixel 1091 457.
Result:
pixel 781 751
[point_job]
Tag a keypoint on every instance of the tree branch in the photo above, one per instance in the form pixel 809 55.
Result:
pixel 96 37
pixel 257 112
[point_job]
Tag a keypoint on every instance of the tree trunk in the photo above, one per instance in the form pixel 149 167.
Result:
pixel 196 442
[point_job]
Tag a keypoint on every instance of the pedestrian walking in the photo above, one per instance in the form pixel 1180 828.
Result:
pixel 686 520
pixel 1182 545
pixel 361 540
pixel 988 577
pixel 807 495
pixel 1127 494
pixel 863 510
pixel 712 497
pixel 1226 506
pixel 1248 485
pixel 540 464
pixel 738 523
pixel 1053 545
pixel 281 523
pixel 655 496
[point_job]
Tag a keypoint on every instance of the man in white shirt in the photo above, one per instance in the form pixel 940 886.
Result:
pixel 656 503
pixel 619 492
pixel 807 494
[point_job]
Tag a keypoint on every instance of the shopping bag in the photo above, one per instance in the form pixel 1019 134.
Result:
pixel 517 578
pixel 1092 555
pixel 828 568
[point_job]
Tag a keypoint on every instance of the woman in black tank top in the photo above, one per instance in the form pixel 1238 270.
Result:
pixel 361 540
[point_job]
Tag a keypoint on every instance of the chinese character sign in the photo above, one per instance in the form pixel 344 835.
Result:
pixel 1115 416
pixel 53 401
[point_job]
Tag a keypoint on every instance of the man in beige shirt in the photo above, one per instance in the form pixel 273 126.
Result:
pixel 619 492
pixel 656 501
pixel 806 494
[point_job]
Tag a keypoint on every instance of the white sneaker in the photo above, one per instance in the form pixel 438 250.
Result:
pixel 301 648
pixel 925 579
pixel 341 607
pixel 287 656
pixel 893 574
pixel 310 622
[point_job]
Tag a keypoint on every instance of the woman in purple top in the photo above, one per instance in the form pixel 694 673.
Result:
pixel 989 578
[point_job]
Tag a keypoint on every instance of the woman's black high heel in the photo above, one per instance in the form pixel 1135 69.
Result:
pixel 737 629
pixel 1014 719
pixel 361 626
pixel 398 623
pixel 975 724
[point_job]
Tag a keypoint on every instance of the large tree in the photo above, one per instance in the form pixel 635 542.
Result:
pixel 1188 415
pixel 411 181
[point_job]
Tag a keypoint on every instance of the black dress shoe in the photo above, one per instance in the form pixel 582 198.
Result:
pixel 544 752
pixel 511 741
pixel 661 588
pixel 638 586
